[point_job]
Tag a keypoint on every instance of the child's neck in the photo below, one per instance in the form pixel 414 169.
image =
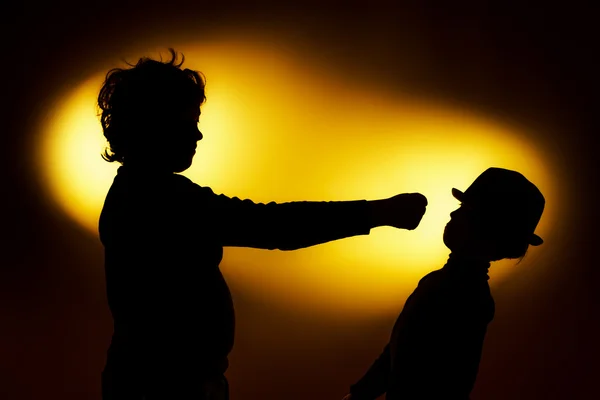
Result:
pixel 468 259
pixel 467 266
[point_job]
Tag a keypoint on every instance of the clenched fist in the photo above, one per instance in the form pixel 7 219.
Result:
pixel 403 211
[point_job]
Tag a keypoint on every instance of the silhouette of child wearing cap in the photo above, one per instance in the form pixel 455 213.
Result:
pixel 164 237
pixel 436 343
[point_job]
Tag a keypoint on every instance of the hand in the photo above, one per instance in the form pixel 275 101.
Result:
pixel 403 211
pixel 347 397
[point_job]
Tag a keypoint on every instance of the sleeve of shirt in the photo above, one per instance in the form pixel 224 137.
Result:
pixel 375 381
pixel 283 226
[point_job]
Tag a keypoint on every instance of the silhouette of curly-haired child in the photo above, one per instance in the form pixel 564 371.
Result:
pixel 164 236
pixel 436 343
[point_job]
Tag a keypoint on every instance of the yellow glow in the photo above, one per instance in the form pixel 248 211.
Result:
pixel 278 129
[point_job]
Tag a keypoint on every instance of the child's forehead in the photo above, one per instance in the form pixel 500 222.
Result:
pixel 466 206
pixel 194 112
pixel 478 207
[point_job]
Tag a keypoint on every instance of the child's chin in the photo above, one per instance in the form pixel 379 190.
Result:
pixel 449 243
pixel 182 166
pixel 447 238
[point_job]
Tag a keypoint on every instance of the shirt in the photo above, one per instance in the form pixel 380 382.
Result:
pixel 436 343
pixel 164 236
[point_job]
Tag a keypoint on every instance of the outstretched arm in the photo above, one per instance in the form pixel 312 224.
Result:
pixel 295 225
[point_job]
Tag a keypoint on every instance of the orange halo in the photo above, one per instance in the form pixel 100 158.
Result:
pixel 276 129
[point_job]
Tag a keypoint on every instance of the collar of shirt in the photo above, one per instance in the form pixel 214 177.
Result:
pixel 467 267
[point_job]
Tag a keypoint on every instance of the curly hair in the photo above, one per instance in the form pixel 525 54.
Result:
pixel 136 100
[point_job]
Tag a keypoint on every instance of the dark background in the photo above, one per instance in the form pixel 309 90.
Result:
pixel 531 64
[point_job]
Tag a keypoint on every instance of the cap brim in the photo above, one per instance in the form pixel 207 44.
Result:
pixel 535 240
pixel 458 194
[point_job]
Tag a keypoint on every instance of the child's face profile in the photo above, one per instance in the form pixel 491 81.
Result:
pixel 464 233
pixel 178 135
